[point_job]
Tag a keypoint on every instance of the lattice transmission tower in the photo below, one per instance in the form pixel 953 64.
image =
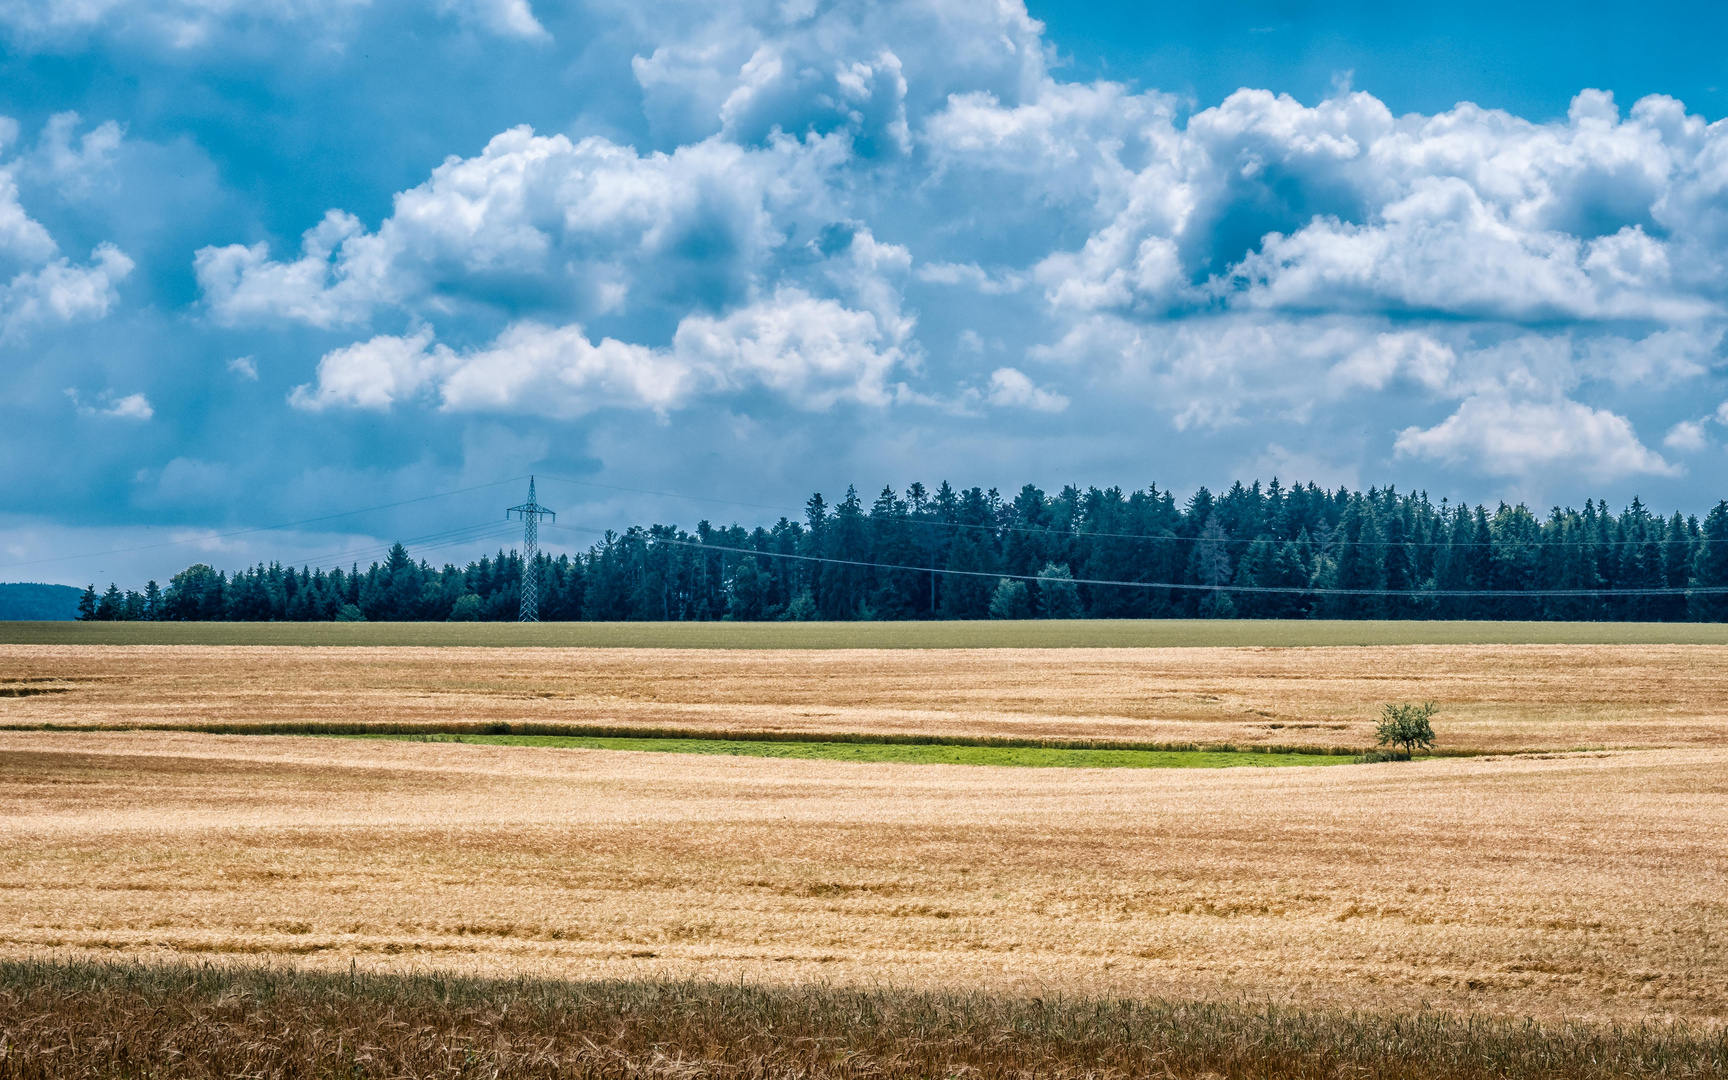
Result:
pixel 530 512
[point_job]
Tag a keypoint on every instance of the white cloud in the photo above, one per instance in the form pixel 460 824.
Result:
pixel 813 352
pixel 557 371
pixel 372 374
pixel 44 286
pixel 130 407
pixel 23 239
pixel 1258 261
pixel 1469 213
pixel 972 276
pixel 62 292
pixel 1415 355
pixel 506 18
pixel 1011 388
pixel 590 225
pixel 74 162
pixel 1217 372
pixel 242 285
pixel 1516 438
pixel 1686 436
pixel 244 366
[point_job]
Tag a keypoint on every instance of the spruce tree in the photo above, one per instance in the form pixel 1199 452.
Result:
pixel 1711 569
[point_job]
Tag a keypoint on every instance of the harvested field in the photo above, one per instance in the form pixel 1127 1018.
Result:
pixel 1492 698
pixel 1592 886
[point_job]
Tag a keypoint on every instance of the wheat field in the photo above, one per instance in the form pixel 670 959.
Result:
pixel 1492 698
pixel 1534 879
pixel 1588 885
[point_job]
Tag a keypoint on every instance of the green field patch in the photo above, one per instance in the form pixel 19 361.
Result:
pixel 903 753
pixel 990 634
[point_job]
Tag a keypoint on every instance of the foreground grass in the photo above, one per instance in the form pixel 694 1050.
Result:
pixel 89 1019
pixel 904 753
pixel 1079 633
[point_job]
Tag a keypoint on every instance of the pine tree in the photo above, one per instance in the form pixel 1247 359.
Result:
pixel 112 605
pixel 745 600
pixel 1711 569
pixel 1397 573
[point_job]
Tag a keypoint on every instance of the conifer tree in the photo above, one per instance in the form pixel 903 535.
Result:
pixel 1711 569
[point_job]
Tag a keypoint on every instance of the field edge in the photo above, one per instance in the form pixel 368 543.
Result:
pixel 65 1016
pixel 1025 634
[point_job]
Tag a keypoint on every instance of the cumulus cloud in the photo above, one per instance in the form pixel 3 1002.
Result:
pixel 1259 260
pixel 589 226
pixel 811 351
pixel 130 407
pixel 372 374
pixel 46 287
pixel 1011 388
pixel 242 284
pixel 62 292
pixel 506 18
pixel 1686 436
pixel 74 161
pixel 1412 354
pixel 1471 213
pixel 1502 437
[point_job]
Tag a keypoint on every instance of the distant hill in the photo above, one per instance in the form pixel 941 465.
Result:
pixel 35 602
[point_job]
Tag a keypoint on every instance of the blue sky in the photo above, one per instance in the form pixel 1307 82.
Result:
pixel 278 260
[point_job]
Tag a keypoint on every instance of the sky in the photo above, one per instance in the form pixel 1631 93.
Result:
pixel 293 279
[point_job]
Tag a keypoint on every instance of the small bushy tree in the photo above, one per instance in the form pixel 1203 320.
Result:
pixel 1057 596
pixel 467 608
pixel 1405 726
pixel 802 609
pixel 1011 600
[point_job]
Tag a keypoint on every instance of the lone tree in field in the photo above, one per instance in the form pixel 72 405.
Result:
pixel 1406 727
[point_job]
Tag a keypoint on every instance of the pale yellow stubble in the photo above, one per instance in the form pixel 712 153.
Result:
pixel 1491 697
pixel 1586 885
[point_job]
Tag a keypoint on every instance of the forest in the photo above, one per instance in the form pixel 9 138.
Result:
pixel 1251 552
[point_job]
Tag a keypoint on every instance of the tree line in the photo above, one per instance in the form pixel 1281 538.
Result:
pixel 1251 552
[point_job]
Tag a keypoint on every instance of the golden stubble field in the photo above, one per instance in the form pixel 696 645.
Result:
pixel 1588 885
pixel 1492 697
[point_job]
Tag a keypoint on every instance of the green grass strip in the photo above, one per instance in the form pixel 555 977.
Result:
pixel 415 730
pixel 903 753
pixel 988 634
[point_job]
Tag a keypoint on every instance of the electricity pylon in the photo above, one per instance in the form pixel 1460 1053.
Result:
pixel 530 512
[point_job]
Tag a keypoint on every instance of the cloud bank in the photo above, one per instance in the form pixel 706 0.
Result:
pixel 893 233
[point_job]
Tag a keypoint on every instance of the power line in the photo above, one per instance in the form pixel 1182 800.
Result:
pixel 1179 586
